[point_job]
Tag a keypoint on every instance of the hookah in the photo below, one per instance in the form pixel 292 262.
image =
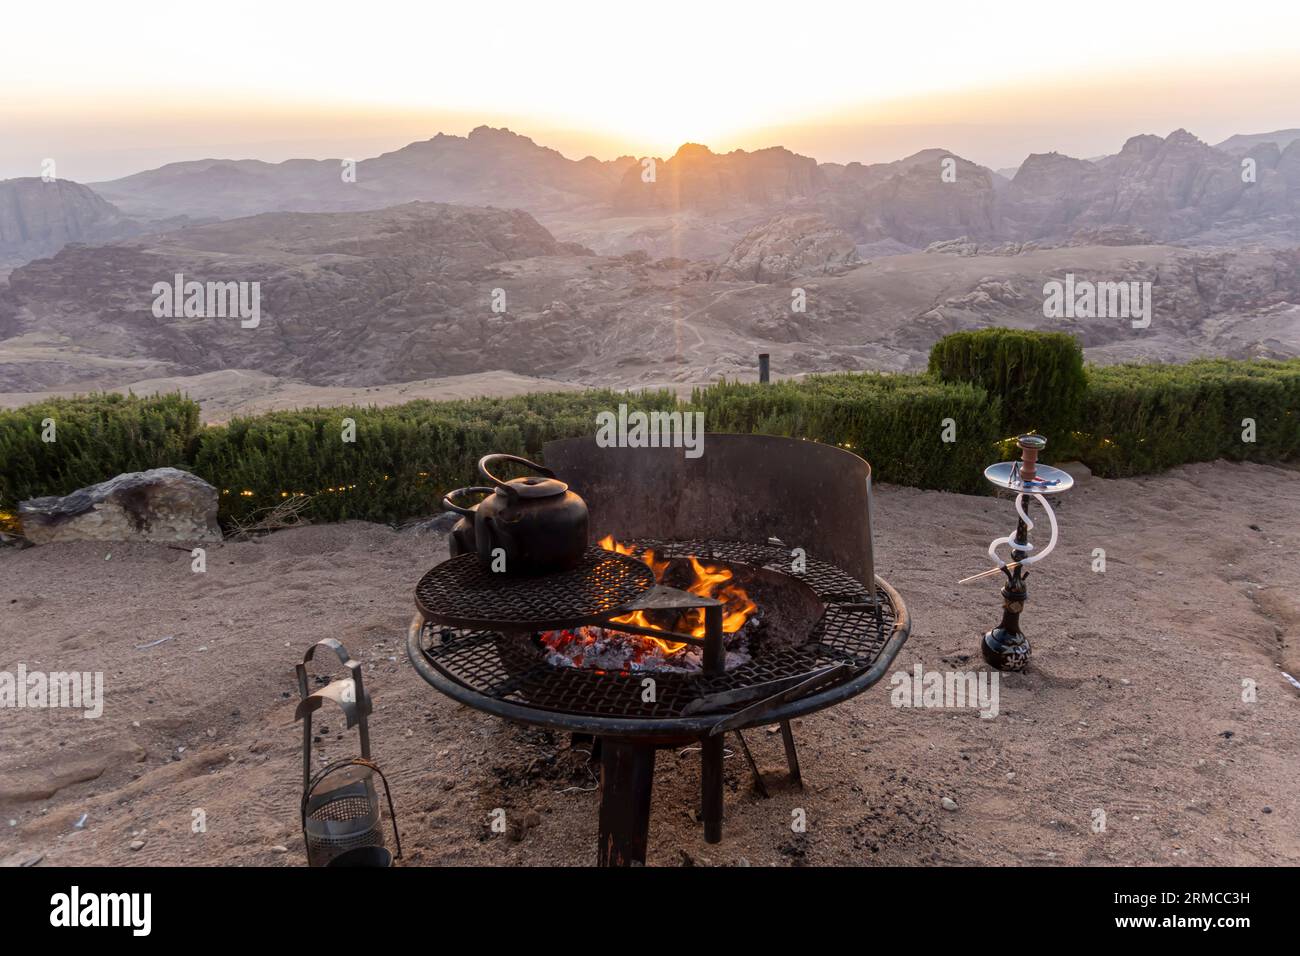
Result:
pixel 1006 647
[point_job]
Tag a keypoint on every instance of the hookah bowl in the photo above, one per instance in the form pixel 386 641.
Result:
pixel 1006 647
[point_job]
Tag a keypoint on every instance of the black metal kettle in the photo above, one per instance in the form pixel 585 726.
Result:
pixel 525 526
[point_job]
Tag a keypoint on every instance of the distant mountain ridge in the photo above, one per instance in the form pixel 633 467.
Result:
pixel 489 166
pixel 1243 142
pixel 697 203
pixel 1172 187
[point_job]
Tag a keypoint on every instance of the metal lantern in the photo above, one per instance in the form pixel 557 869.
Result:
pixel 341 814
pixel 1005 647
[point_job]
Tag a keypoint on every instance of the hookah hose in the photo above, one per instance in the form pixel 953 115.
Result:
pixel 1010 541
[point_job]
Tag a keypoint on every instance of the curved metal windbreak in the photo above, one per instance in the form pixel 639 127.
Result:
pixel 746 488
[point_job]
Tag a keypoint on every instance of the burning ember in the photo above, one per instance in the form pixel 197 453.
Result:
pixel 605 648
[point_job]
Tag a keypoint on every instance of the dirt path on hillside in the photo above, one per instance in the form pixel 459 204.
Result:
pixel 1133 706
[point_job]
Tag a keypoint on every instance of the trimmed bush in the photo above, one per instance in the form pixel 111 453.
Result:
pixel 1144 418
pixel 1038 375
pixel 893 421
pixel 1133 419
pixel 404 458
pixel 96 437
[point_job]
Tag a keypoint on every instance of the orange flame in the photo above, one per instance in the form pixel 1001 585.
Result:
pixel 711 581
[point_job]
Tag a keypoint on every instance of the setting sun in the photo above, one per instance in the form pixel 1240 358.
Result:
pixel 624 78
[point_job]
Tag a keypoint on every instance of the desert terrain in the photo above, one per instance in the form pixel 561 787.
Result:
pixel 1133 704
pixel 241 392
pixel 491 255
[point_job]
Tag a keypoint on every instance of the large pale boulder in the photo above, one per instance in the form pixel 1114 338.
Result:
pixel 163 504
pixel 788 245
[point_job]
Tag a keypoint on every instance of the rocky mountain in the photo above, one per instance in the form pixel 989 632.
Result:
pixel 697 179
pixel 1048 192
pixel 342 297
pixel 489 166
pixel 1174 188
pixel 930 195
pixel 698 203
pixel 1242 143
pixel 424 291
pixel 789 245
pixel 38 218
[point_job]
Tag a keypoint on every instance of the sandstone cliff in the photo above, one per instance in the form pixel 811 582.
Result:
pixel 790 245
pixel 38 218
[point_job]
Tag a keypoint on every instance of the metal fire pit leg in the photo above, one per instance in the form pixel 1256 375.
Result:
pixel 759 785
pixel 626 778
pixel 711 787
pixel 791 754
pixel 715 662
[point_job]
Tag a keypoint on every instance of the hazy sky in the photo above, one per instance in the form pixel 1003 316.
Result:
pixel 108 89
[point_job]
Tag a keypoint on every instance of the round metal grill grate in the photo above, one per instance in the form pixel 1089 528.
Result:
pixel 509 667
pixel 462 593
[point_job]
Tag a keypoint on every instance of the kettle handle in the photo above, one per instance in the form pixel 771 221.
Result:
pixel 504 486
pixel 448 505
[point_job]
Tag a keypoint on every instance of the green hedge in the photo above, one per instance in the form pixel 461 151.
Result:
pixel 404 458
pixel 1132 419
pixel 1038 376
pixel 896 422
pixel 1144 418
pixel 95 438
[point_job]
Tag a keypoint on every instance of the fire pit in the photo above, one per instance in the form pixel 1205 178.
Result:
pixel 729 593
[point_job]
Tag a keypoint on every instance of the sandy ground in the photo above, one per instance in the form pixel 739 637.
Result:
pixel 1133 705
pixel 223 395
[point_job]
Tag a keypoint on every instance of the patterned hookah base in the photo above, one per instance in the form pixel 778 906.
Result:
pixel 1005 651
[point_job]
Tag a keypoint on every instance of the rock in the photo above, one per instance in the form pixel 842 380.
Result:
pixel 38 218
pixel 438 524
pixel 1077 470
pixel 961 246
pixel 136 845
pixel 949 804
pixel 790 245
pixel 163 504
pixel 1111 235
pixel 931 196
pixel 278 848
